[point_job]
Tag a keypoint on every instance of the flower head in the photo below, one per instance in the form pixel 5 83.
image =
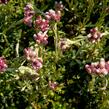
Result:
pixel 28 14
pixel 64 43
pixel 30 54
pixel 42 24
pixel 99 68
pixel 52 85
pixel 3 64
pixel 41 38
pixel 37 64
pixel 28 20
pixel 53 15
pixel 94 35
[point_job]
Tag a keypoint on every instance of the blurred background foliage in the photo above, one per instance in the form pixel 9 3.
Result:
pixel 76 89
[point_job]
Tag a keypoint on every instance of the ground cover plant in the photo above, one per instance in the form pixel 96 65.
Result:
pixel 54 54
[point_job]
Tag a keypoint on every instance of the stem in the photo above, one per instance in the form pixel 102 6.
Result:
pixel 91 84
pixel 56 39
pixel 5 37
pixel 17 49
pixel 105 86
pixel 17 45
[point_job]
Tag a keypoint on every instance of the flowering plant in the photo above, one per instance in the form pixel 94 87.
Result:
pixel 54 55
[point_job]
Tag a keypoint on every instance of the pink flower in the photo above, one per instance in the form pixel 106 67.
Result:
pixel 94 35
pixel 101 67
pixel 28 10
pixel 59 6
pixel 52 85
pixel 28 20
pixel 41 38
pixel 3 64
pixel 63 43
pixel 88 68
pixel 107 65
pixel 42 24
pixel 53 15
pixel 37 64
pixel 28 14
pixel 30 54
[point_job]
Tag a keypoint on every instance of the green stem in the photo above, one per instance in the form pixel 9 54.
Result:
pixel 105 86
pixel 56 39
pixel 91 84
pixel 5 37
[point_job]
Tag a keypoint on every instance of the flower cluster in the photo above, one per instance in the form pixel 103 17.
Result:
pixel 98 68
pixel 41 38
pixel 94 35
pixel 42 24
pixel 37 64
pixel 33 58
pixel 64 44
pixel 55 14
pixel 3 64
pixel 28 14
pixel 30 54
pixel 52 85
